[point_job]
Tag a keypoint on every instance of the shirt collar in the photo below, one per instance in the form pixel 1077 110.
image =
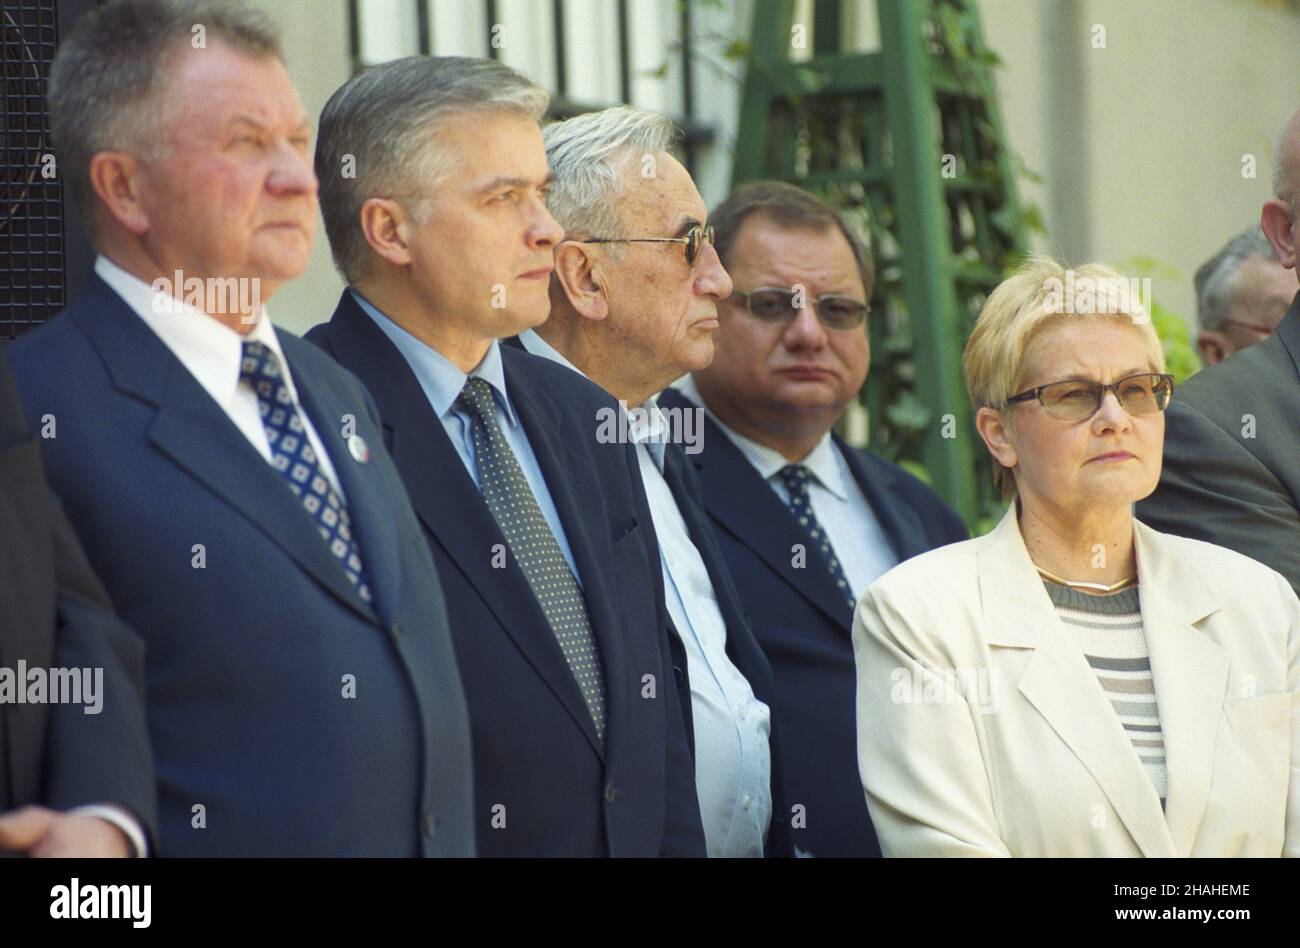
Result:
pixel 646 425
pixel 441 379
pixel 209 349
pixel 823 461
pixel 535 344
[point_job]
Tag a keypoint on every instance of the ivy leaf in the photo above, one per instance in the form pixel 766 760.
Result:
pixel 908 413
pixel 737 49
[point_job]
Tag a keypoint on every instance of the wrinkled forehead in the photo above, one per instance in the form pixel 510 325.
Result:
pixel 658 193
pixel 215 86
pixel 1101 346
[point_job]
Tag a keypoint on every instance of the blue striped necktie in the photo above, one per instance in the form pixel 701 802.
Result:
pixel 294 457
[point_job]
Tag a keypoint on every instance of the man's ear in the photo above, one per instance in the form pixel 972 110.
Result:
pixel 1275 221
pixel 577 272
pixel 387 229
pixel 1213 346
pixel 115 177
pixel 993 429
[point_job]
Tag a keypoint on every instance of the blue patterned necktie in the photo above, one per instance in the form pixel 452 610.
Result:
pixel 515 509
pixel 293 456
pixel 795 478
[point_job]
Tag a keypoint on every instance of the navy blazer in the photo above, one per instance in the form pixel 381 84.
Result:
pixel 254 636
pixel 54 612
pixel 742 647
pixel 804 625
pixel 544 785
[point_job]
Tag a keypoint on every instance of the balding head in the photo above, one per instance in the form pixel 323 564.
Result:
pixel 1279 215
pixel 1286 155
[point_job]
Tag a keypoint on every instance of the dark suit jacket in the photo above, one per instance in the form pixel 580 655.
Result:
pixel 54 612
pixel 804 625
pixel 1221 485
pixel 742 647
pixel 544 786
pixel 249 622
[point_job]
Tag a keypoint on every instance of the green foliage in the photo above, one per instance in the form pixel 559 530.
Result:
pixel 1181 360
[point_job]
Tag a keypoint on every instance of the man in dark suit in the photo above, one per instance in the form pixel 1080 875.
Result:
pixel 540 530
pixel 228 480
pixel 80 771
pixel 805 522
pixel 633 317
pixel 1231 471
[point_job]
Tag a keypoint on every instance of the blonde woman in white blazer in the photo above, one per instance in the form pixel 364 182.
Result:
pixel 1076 683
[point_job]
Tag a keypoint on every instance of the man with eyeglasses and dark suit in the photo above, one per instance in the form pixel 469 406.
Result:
pixel 804 521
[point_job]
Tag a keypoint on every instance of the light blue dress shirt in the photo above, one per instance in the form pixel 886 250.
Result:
pixel 860 543
pixel 443 382
pixel 733 763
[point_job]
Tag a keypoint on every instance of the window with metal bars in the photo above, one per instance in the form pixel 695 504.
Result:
pixel 32 284
pixel 566 40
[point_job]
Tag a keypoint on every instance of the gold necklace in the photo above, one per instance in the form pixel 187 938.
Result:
pixel 1100 587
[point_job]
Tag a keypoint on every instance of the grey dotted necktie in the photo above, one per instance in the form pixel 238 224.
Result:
pixel 515 509
pixel 795 477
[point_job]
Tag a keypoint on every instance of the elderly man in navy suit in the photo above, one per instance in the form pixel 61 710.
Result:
pixel 228 480
pixel 633 306
pixel 805 522
pixel 540 528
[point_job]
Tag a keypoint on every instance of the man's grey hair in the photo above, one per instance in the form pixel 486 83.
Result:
pixel 108 72
pixel 1282 187
pixel 588 155
pixel 1219 279
pixel 375 132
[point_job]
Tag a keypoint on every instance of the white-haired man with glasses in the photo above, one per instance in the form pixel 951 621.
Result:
pixel 633 307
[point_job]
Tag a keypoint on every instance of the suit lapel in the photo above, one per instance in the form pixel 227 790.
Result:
pixel 1061 685
pixel 193 430
pixel 901 523
pixel 447 501
pixel 368 507
pixel 747 507
pixel 685 489
pixel 1191 677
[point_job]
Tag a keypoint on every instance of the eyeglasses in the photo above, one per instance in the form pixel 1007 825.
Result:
pixel 772 305
pixel 1076 400
pixel 695 238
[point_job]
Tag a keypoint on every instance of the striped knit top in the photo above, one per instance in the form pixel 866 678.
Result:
pixel 1109 632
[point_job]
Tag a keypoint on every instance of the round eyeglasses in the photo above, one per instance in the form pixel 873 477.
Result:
pixel 695 239
pixel 1077 399
pixel 774 305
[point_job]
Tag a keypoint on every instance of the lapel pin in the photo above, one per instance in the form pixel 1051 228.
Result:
pixel 360 452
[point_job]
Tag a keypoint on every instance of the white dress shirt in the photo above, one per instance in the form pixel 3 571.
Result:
pixel 859 542
pixel 212 352
pixel 733 765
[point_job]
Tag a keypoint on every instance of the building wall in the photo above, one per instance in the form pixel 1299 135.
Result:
pixel 1140 143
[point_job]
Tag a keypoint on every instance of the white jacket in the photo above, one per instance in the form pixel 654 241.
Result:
pixel 983 731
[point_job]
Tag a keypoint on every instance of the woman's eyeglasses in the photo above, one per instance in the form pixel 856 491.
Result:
pixel 773 305
pixel 695 239
pixel 1076 400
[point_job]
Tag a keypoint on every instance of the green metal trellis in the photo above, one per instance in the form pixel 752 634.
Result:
pixel 907 142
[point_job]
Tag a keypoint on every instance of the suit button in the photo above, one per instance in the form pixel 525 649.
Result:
pixel 610 793
pixel 395 630
pixel 430 823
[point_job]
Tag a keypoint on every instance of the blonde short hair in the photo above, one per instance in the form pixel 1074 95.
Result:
pixel 1042 294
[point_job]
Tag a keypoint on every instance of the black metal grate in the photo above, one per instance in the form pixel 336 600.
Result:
pixel 32 269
